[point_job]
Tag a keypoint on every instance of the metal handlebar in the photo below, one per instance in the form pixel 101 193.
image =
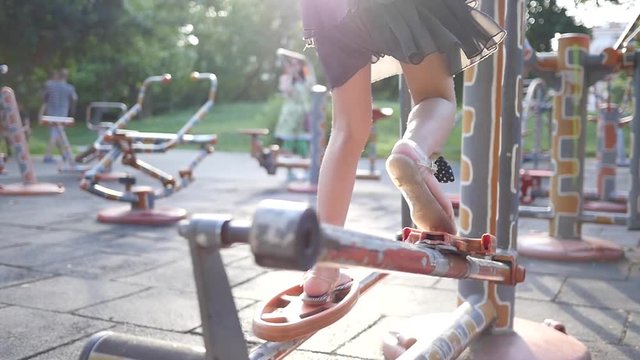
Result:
pixel 195 76
pixel 165 79
pixel 103 105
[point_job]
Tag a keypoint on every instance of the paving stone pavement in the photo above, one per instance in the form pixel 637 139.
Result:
pixel 64 276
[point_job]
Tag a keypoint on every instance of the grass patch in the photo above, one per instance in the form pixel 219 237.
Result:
pixel 223 120
pixel 226 119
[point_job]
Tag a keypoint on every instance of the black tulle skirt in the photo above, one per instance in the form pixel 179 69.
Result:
pixel 406 30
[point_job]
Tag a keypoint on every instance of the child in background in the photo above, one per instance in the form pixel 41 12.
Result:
pixel 290 128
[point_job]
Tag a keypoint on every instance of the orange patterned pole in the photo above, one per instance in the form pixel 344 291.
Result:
pixel 567 146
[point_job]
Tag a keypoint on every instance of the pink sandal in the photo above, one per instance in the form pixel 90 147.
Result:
pixel 336 287
pixel 410 169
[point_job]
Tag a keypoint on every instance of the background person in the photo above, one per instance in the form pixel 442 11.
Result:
pixel 59 99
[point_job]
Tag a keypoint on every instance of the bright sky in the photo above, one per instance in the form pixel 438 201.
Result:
pixel 590 15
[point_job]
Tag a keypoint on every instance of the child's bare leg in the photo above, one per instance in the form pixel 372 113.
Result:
pixel 350 130
pixel 429 125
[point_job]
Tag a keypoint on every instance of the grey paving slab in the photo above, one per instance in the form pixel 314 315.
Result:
pixel 342 331
pixel 194 339
pixel 63 293
pixel 617 270
pixel 584 323
pixel 632 335
pixel 535 286
pixel 634 273
pixel 539 287
pixel 38 255
pixel 15 235
pixel 245 316
pixel 79 211
pixel 25 332
pixel 368 344
pixel 157 308
pixel 71 241
pixel 69 351
pixel 621 236
pixel 10 275
pixel 105 265
pixel 266 285
pixel 608 294
pixel 134 243
pixel 40 234
pixel 179 275
pixel 383 299
pixel 633 255
pixel 247 309
pixel 610 351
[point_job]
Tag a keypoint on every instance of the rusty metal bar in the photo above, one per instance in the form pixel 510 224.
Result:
pixel 288 235
pixel 351 248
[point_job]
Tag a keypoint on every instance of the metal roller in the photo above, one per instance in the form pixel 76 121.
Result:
pixel 285 235
pixel 114 346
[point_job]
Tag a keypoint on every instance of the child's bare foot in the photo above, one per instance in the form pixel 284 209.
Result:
pixel 417 178
pixel 321 283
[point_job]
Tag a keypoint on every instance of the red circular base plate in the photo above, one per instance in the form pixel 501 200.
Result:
pixel 126 215
pixel 544 246
pixel 303 187
pixel 287 317
pixel 31 189
pixel 605 206
pixel 528 341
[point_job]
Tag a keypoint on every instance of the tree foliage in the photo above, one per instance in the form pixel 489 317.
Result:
pixel 111 46
pixel 545 18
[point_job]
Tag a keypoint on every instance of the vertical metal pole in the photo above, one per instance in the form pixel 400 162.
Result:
pixel 11 122
pixel 608 119
pixel 539 109
pixel 633 222
pixel 510 151
pixel 221 330
pixel 317 113
pixel 404 98
pixel 567 147
pixel 479 172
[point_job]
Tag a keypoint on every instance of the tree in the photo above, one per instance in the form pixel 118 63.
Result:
pixel 238 40
pixel 545 18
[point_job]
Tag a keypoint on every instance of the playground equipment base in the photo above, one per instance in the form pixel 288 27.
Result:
pixel 368 175
pixel 31 189
pixel 605 206
pixel 127 215
pixel 303 187
pixel 528 341
pixel 544 246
